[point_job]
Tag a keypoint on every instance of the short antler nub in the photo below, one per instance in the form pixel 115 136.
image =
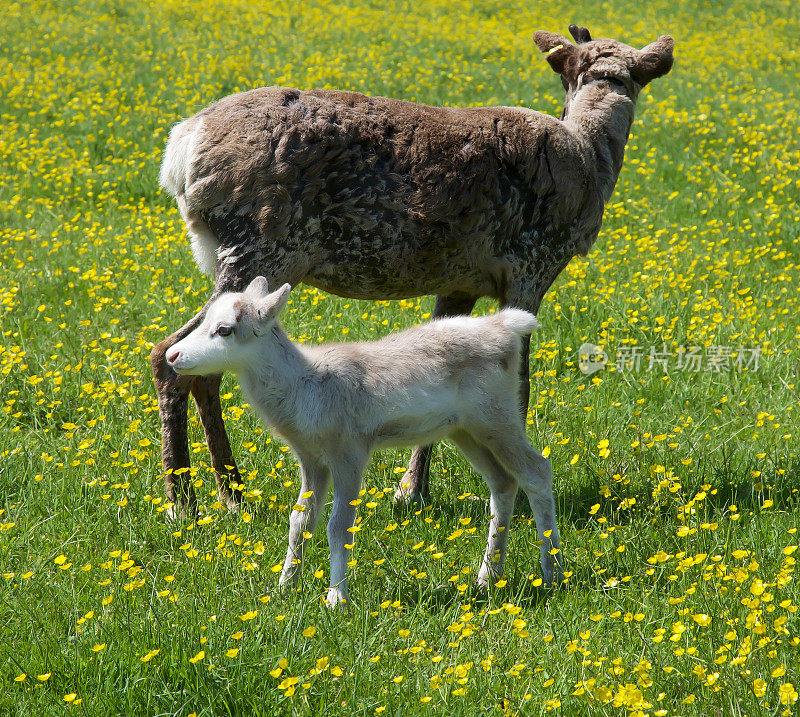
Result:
pixel 581 34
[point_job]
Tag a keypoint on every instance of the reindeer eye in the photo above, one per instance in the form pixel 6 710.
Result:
pixel 224 330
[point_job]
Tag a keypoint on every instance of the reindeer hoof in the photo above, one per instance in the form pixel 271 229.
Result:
pixel 408 492
pixel 231 504
pixel 177 512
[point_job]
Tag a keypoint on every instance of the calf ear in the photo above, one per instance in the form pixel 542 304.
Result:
pixel 559 50
pixel 271 305
pixel 654 60
pixel 258 288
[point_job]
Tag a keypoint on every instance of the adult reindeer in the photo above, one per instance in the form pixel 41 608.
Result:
pixel 376 198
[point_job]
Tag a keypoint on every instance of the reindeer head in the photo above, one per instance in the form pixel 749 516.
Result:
pixel 625 68
pixel 224 339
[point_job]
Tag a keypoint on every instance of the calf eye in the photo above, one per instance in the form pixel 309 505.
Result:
pixel 224 330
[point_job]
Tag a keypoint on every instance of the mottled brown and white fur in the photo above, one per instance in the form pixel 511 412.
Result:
pixel 335 404
pixel 378 198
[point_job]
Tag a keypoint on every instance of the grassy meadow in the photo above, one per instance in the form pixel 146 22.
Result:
pixel 677 489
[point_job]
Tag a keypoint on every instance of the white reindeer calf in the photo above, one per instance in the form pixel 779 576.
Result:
pixel 336 403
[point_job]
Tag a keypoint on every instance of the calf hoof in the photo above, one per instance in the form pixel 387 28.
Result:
pixel 287 586
pixel 552 580
pixel 479 590
pixel 337 599
pixel 488 580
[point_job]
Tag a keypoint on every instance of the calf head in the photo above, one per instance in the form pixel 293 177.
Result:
pixel 226 338
pixel 625 67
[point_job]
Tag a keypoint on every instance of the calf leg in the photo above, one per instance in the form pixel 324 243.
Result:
pixel 414 486
pixel 511 449
pixel 347 473
pixel 503 491
pixel 536 479
pixel 305 515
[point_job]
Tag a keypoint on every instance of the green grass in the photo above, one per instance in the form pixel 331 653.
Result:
pixel 678 534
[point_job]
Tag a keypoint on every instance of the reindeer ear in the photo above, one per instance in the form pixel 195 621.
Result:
pixel 268 308
pixel 654 60
pixel 559 50
pixel 580 34
pixel 258 288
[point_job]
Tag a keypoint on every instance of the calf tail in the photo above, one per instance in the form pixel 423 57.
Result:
pixel 519 321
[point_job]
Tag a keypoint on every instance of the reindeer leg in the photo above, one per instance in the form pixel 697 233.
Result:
pixel 205 391
pixel 244 258
pixel 414 486
pixel 527 293
pixel 524 377
pixel 173 401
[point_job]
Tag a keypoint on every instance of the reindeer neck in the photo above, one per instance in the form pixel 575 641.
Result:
pixel 604 117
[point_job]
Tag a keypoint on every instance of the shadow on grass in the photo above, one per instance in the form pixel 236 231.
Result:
pixel 728 486
pixel 732 485
pixel 520 591
pixel 575 507
pixel 575 513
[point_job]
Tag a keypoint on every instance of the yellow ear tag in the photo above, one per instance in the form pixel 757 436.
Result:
pixel 553 49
